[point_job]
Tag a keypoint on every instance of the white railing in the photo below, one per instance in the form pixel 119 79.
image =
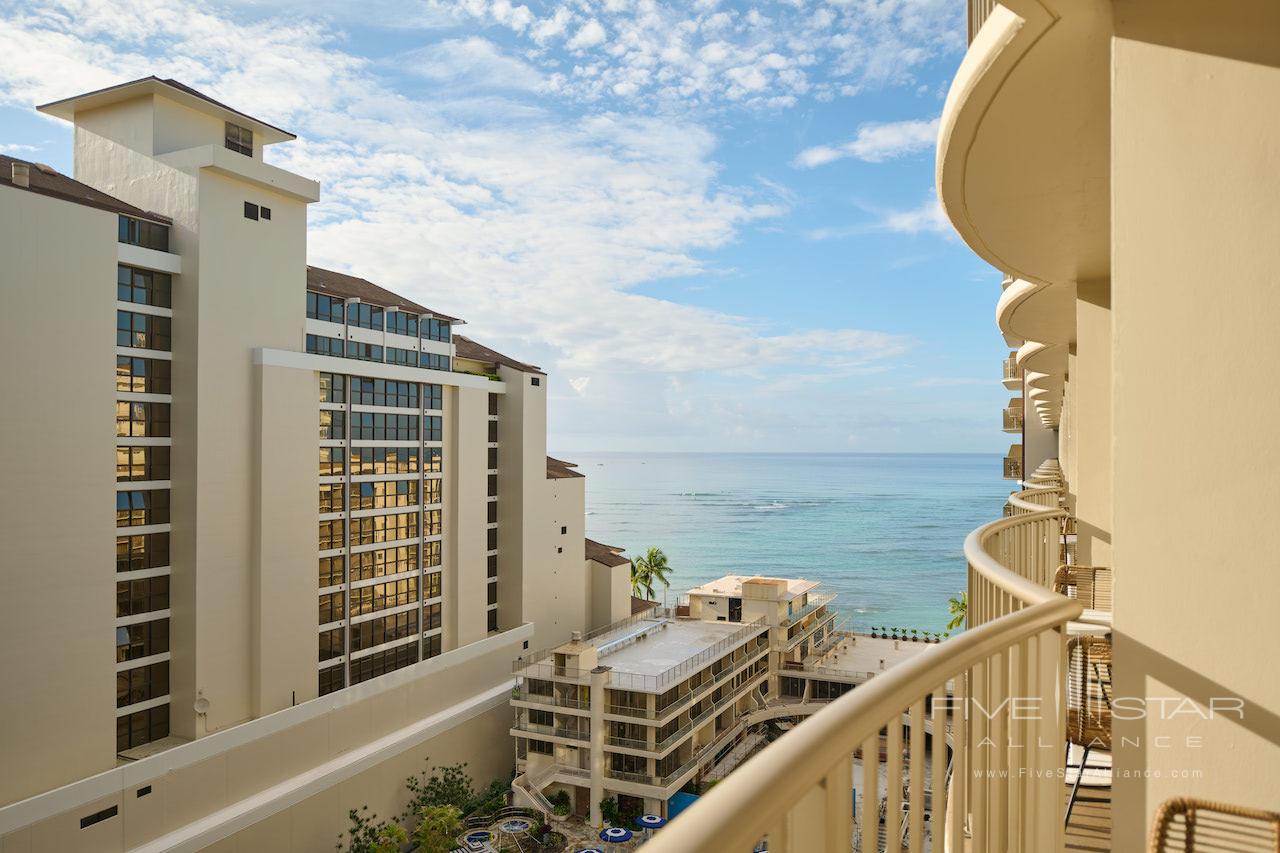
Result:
pixel 1035 499
pixel 798 791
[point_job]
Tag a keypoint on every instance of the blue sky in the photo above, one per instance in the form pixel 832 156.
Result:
pixel 713 223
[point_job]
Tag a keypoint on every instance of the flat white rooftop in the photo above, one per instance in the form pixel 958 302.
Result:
pixel 731 586
pixel 860 654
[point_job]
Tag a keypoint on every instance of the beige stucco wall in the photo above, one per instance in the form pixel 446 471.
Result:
pixel 57 505
pixel 1091 413
pixel 609 592
pixel 284 615
pixel 286 781
pixel 560 601
pixel 1195 303
pixel 466 442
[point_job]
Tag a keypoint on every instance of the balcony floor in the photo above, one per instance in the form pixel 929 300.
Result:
pixel 1090 826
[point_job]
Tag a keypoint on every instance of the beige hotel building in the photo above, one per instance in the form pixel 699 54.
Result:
pixel 335 521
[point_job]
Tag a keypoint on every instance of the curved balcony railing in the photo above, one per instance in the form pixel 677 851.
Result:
pixel 1035 499
pixel 985 790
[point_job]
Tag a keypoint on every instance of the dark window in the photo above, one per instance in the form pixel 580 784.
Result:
pixel 142 727
pixel 264 212
pixel 406 357
pixel 324 346
pixel 493 432
pixel 363 352
pixel 98 817
pixel 330 680
pixel 134 509
pixel 141 420
pixel 323 307
pixel 433 462
pixel 144 790
pixel 380 663
pixel 563 530
pixel 333 388
pixel 493 512
pixel 142 596
pixel 140 232
pixel 331 609
pixel 387 629
pixel 535 380
pixel 142 640
pixel 431 617
pixel 430 646
pixel 364 315
pixel 402 323
pixel 239 139
pixel 493 485
pixel 384 392
pixel 141 463
pixel 333 424
pixel 145 551
pixel 144 287
pixel 434 361
pixel 250 210
pixel 492 538
pixel 379 426
pixel 493 404
pixel 493 458
pixel 493 623
pixel 331 571
pixel 141 684
pixel 492 593
pixel 432 428
pixel 435 330
pixel 143 375
pixel 331 644
pixel 432 397
pixel 143 331
pixel 492 568
pixel 385 460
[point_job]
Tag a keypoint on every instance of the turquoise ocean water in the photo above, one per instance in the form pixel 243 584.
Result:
pixel 883 531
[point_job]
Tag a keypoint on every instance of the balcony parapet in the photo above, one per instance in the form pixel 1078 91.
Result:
pixel 798 790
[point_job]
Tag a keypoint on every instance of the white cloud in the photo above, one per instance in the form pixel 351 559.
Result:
pixel 471 63
pixel 589 35
pixel 537 228
pixel 928 217
pixel 876 142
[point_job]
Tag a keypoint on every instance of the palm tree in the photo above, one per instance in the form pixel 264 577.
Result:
pixel 959 606
pixel 648 569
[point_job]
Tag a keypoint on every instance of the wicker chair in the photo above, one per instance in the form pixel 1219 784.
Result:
pixel 1188 825
pixel 1090 585
pixel 1088 704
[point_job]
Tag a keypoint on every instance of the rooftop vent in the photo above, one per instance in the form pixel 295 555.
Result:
pixel 21 175
pixel 576 636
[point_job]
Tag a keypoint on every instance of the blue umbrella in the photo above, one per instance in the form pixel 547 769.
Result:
pixel 650 821
pixel 615 835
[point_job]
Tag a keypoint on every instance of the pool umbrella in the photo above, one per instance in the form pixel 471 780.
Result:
pixel 589 850
pixel 650 822
pixel 615 835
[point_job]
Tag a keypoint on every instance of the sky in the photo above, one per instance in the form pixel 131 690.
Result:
pixel 712 223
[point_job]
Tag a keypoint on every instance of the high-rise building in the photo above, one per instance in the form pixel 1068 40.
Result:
pixel 335 521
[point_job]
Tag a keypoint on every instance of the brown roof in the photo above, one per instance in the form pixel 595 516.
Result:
pixel 181 87
pixel 47 181
pixel 466 348
pixel 352 287
pixel 604 554
pixel 559 470
pixel 640 605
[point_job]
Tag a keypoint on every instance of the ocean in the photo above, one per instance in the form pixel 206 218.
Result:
pixel 885 532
